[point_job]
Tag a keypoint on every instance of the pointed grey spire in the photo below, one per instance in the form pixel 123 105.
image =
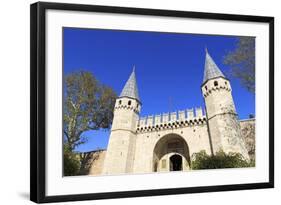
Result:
pixel 131 89
pixel 211 69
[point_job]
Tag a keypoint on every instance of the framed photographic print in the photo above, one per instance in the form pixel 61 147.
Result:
pixel 129 102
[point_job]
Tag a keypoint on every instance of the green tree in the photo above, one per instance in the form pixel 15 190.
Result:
pixel 71 163
pixel 242 62
pixel 202 160
pixel 88 105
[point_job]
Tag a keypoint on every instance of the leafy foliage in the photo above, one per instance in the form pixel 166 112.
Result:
pixel 71 163
pixel 88 105
pixel 202 160
pixel 242 62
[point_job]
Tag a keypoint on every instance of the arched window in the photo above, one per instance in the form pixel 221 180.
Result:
pixel 129 102
pixel 120 102
pixel 216 83
pixel 225 83
pixel 206 87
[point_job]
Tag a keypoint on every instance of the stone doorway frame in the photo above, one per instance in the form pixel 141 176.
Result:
pixel 161 153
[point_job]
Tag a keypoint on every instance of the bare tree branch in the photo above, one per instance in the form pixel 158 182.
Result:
pixel 242 62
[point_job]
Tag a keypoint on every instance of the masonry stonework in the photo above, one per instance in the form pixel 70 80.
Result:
pixel 166 142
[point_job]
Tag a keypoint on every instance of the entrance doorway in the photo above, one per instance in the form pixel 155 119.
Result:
pixel 171 153
pixel 175 162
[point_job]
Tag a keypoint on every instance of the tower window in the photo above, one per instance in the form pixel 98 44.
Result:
pixel 216 83
pixel 225 83
pixel 206 87
pixel 120 102
pixel 129 102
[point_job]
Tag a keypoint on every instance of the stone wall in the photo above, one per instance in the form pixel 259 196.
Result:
pixel 248 134
pixel 92 162
pixel 196 137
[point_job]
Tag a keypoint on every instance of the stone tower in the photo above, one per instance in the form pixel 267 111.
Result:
pixel 121 146
pixel 223 126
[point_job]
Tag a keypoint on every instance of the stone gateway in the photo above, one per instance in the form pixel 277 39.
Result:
pixel 166 142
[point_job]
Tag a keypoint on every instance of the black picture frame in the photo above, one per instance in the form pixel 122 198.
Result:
pixel 38 101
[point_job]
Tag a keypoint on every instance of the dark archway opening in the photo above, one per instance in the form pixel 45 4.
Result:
pixel 175 162
pixel 155 167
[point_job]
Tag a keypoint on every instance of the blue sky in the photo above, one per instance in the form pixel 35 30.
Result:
pixel 169 68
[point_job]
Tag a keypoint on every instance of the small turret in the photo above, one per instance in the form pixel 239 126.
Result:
pixel 121 146
pixel 224 128
pixel 127 106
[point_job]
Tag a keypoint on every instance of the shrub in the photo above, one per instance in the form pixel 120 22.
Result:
pixel 71 163
pixel 202 160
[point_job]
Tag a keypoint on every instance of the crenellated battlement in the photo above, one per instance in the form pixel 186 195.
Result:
pixel 181 118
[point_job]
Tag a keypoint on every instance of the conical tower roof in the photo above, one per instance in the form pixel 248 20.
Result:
pixel 211 69
pixel 131 89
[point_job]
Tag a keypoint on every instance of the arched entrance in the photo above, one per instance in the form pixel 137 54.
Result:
pixel 171 153
pixel 175 162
